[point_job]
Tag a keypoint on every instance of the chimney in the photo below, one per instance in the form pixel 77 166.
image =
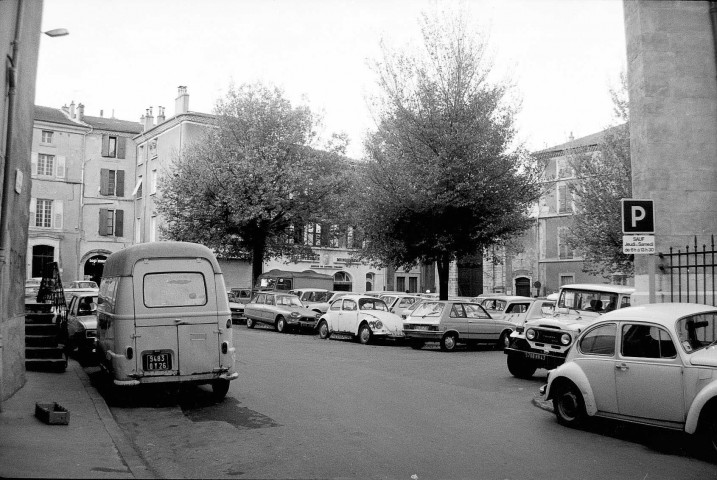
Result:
pixel 181 104
pixel 160 115
pixel 72 109
pixel 102 113
pixel 148 119
pixel 80 112
pixel 66 109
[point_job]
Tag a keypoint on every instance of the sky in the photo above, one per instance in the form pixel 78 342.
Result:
pixel 125 56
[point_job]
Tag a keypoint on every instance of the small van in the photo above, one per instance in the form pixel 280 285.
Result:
pixel 163 317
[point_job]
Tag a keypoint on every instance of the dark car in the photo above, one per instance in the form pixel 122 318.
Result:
pixel 82 323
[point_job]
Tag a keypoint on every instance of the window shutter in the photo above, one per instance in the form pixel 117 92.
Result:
pixel 120 183
pixel 104 181
pixel 33 160
pixel 33 210
pixel 121 146
pixel 57 211
pixel 103 221
pixel 105 145
pixel 562 198
pixel 60 166
pixel 324 235
pixel 119 223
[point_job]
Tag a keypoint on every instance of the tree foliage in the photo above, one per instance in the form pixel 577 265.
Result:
pixel 604 178
pixel 246 189
pixel 443 181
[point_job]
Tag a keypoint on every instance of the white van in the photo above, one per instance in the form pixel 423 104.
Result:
pixel 163 317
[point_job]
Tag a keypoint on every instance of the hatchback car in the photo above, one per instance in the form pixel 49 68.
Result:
pixel 363 317
pixel 280 310
pixel 82 323
pixel 450 322
pixel 651 364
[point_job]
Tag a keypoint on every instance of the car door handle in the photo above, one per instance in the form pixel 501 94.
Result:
pixel 623 367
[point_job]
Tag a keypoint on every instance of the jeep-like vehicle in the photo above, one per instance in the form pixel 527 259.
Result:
pixel 544 342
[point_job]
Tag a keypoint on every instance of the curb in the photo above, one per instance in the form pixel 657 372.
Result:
pixel 125 448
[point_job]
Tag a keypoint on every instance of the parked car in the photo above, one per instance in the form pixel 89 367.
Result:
pixel 451 322
pixel 78 287
pixel 82 323
pixel 238 297
pixel 497 305
pixel 520 312
pixel 653 364
pixel 362 316
pixel 400 302
pixel 32 287
pixel 544 342
pixel 280 310
pixel 317 299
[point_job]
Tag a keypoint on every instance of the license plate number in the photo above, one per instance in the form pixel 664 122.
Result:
pixel 535 356
pixel 420 327
pixel 156 362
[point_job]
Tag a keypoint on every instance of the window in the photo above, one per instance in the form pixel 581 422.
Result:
pixel 336 305
pixel 270 300
pixel 334 240
pixel 137 230
pixel 153 148
pixel 369 281
pixel 457 311
pixel 600 340
pixel 349 305
pixel 342 282
pixel 111 182
pixel 137 192
pixel 401 284
pixel 45 213
pixel 153 182
pixel 567 279
pixel 413 284
pixel 153 228
pixel 312 235
pixel 111 222
pixel 113 146
pixel 564 250
pixel 140 155
pixel 646 341
pixel 45 164
pixel 176 289
pixel 46 136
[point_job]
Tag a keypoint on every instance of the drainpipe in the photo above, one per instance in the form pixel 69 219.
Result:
pixel 82 202
pixel 713 18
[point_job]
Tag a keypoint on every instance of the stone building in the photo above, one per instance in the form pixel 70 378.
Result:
pixel 82 169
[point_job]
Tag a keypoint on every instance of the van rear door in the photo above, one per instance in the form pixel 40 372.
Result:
pixel 176 315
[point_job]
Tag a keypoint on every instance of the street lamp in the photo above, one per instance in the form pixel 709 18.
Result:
pixel 57 32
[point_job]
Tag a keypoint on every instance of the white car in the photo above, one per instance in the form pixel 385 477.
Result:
pixel 361 316
pixel 652 364
pixel 400 303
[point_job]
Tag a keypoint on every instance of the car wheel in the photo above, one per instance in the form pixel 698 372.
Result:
pixel 249 323
pixel 448 342
pixel 569 405
pixel 281 325
pixel 364 335
pixel 219 389
pixel 519 367
pixel 323 330
pixel 416 344
pixel 708 431
pixel 503 341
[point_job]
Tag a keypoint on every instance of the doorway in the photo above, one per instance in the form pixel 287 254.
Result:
pixel 94 266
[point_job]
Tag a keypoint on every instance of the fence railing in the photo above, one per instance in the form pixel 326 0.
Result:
pixel 692 273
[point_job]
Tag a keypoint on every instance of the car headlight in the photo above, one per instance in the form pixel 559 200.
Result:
pixel 377 324
pixel 317 316
pixel 530 334
pixel 295 315
pixel 565 339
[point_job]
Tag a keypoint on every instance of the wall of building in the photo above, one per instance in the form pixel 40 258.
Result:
pixel 673 122
pixel 16 201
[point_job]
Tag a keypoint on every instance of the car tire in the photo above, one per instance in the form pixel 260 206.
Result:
pixel 416 344
pixel 448 342
pixel 323 330
pixel 519 367
pixel 364 334
pixel 249 323
pixel 503 341
pixel 708 434
pixel 219 389
pixel 569 405
pixel 281 325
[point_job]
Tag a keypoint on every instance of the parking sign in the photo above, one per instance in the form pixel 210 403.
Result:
pixel 638 216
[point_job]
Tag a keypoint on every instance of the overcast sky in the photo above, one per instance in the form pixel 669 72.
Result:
pixel 124 56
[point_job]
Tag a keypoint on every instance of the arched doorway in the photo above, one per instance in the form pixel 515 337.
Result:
pixel 342 282
pixel 369 281
pixel 41 256
pixel 94 267
pixel 522 287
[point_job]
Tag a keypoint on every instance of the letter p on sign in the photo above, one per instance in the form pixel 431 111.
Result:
pixel 638 216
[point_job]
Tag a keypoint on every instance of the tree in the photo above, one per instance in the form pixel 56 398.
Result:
pixel 248 188
pixel 604 178
pixel 442 181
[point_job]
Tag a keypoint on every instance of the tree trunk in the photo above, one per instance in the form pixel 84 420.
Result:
pixel 257 260
pixel 443 268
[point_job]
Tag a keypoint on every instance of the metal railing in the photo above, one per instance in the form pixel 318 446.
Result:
pixel 692 273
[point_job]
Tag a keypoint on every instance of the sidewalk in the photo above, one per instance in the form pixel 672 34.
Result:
pixel 91 446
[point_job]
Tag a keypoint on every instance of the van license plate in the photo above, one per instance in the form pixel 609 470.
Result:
pixel 156 362
pixel 535 356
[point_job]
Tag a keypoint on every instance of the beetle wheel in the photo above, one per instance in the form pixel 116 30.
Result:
pixel 448 342
pixel 364 335
pixel 323 330
pixel 569 405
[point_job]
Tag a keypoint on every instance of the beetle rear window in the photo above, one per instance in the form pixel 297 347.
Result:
pixel 175 289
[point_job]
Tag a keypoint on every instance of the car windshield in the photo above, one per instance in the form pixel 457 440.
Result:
pixel 289 300
pixel 697 331
pixel 428 309
pixel 318 297
pixel 372 304
pixel 587 301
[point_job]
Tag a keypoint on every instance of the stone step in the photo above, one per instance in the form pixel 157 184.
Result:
pixel 46 364
pixel 41 329
pixel 38 307
pixel 41 340
pixel 44 353
pixel 39 317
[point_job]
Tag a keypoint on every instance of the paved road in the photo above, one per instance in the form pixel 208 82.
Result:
pixel 309 408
